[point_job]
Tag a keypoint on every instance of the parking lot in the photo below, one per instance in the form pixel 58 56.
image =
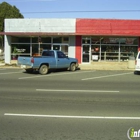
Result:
pixel 82 105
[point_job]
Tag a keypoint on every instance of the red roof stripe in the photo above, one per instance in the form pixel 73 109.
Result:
pixel 108 27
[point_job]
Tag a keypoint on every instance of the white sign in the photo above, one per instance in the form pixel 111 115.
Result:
pixel 94 57
pixel 21 50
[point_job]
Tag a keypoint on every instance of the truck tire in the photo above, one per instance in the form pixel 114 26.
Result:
pixel 72 67
pixel 43 69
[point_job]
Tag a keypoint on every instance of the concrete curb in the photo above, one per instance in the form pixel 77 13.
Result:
pixel 94 66
pixel 2 65
pixel 106 66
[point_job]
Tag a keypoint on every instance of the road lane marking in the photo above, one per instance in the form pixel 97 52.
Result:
pixel 53 75
pixel 73 117
pixel 9 73
pixel 59 90
pixel 106 76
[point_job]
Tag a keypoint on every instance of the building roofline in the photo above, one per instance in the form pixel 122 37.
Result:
pixel 34 33
pixel 1 33
pixel 60 34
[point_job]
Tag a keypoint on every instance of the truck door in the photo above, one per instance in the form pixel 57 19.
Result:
pixel 62 60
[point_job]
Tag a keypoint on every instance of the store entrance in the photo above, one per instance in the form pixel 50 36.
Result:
pixel 86 54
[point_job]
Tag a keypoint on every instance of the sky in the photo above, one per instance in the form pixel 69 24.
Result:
pixel 105 9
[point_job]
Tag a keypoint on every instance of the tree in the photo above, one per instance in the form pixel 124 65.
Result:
pixel 7 11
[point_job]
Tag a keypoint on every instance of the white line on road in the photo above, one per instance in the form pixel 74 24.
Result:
pixel 59 90
pixel 9 72
pixel 106 76
pixel 53 75
pixel 73 117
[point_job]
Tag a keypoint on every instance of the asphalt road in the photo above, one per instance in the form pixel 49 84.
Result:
pixel 63 105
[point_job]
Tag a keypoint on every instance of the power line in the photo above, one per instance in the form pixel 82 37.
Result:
pixel 32 0
pixel 100 11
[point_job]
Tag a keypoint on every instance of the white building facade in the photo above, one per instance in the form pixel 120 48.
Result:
pixel 22 37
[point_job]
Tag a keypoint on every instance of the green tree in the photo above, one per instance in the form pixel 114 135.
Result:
pixel 7 11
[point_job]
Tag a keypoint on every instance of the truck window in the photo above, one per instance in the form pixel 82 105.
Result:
pixel 48 53
pixel 61 55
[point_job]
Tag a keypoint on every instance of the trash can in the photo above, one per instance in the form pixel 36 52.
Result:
pixel 131 62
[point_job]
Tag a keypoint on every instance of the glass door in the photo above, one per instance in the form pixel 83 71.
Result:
pixel 86 54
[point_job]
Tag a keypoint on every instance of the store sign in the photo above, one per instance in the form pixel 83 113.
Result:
pixel 130 40
pixel 94 57
pixel 122 40
pixel 127 40
pixel 95 40
pixel 114 40
pixel 21 50
pixel 111 40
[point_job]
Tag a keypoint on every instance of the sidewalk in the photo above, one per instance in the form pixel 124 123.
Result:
pixel 91 66
pixel 107 66
pixel 1 64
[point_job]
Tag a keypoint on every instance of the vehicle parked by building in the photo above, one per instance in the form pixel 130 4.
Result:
pixel 137 63
pixel 50 59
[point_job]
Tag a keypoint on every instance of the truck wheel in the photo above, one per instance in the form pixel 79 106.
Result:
pixel 43 69
pixel 72 67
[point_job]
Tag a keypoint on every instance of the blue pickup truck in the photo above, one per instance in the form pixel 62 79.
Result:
pixel 50 59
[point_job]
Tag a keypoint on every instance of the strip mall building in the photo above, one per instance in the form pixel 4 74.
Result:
pixel 88 40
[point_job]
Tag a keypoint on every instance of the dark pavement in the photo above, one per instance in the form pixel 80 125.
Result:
pixel 63 105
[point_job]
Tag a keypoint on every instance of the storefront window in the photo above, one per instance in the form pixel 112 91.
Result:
pixel 35 40
pixel 56 47
pixel 31 46
pixel 64 48
pixel 95 40
pixel 110 52
pixel 44 47
pixel 95 52
pixel 128 50
pixel 60 39
pixel 20 39
pixel 111 48
pixel 86 40
pixel 35 50
pixel 57 39
pixel 128 47
pixel 129 41
pixel 19 49
pixel 110 40
pixel 46 39
pixel 65 39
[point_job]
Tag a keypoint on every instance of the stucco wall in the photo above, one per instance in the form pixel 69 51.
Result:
pixel 7 49
pixel 40 25
pixel 71 47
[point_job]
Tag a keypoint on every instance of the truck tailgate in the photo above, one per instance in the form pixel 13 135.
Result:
pixel 24 61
